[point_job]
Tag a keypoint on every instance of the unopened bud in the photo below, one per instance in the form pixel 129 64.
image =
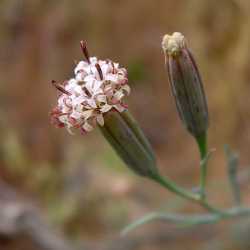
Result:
pixel 128 140
pixel 186 84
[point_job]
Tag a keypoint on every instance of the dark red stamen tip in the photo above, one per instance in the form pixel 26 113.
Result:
pixel 124 105
pixel 60 87
pixel 87 92
pixel 98 67
pixel 85 52
pixel 83 131
pixel 113 66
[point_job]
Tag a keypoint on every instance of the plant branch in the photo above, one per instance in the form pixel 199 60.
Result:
pixel 202 144
pixel 186 220
pixel 232 164
pixel 173 187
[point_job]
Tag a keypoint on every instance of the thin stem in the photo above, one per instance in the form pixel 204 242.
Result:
pixel 232 164
pixel 202 144
pixel 212 209
pixel 172 218
pixel 187 220
pixel 173 187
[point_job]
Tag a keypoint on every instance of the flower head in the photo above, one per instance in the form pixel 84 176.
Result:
pixel 98 86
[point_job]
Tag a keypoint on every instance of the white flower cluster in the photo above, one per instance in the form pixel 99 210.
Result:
pixel 98 87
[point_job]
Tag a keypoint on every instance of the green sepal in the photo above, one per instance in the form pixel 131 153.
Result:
pixel 128 140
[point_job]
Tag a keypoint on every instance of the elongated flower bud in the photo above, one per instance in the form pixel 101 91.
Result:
pixel 186 84
pixel 127 139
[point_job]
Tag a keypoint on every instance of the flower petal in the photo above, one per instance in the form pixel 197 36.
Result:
pixel 100 120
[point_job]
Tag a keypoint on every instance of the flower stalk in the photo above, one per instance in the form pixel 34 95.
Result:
pixel 202 144
pixel 94 98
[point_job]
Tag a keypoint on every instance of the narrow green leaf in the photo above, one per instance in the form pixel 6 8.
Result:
pixel 179 220
pixel 232 167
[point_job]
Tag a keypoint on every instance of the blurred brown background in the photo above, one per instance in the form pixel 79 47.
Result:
pixel 77 182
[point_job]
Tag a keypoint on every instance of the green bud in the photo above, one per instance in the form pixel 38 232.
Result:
pixel 128 140
pixel 186 84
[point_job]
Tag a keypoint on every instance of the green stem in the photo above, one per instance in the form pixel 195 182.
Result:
pixel 212 209
pixel 232 164
pixel 187 220
pixel 202 144
pixel 171 186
